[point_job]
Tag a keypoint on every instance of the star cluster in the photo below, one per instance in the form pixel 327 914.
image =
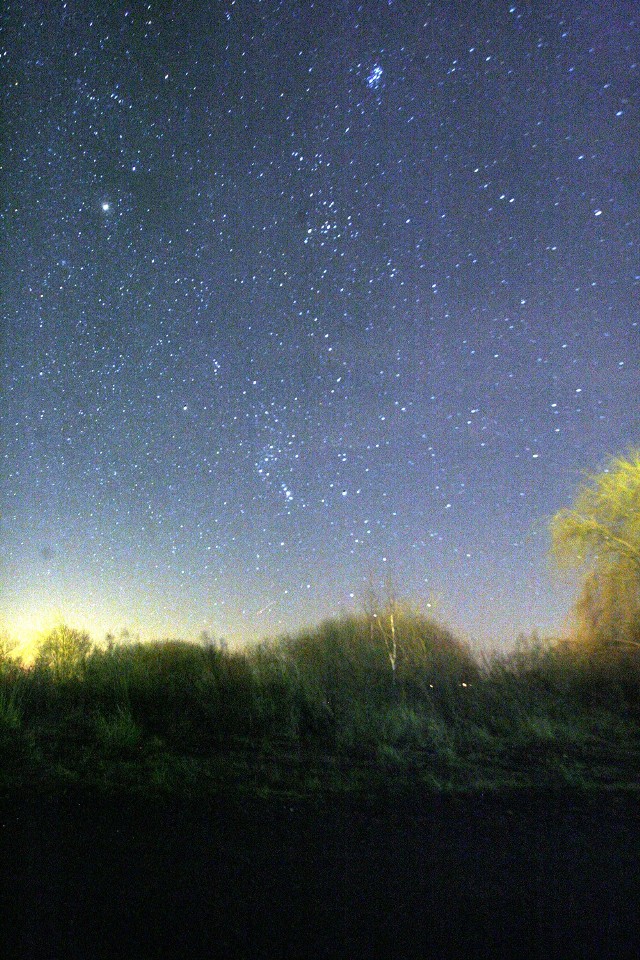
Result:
pixel 300 296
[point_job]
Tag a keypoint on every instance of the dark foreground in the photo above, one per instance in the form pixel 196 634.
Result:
pixel 534 876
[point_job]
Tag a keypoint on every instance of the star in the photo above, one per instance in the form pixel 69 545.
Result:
pixel 235 327
pixel 374 79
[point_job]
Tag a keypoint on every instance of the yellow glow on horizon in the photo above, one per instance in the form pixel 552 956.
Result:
pixel 28 627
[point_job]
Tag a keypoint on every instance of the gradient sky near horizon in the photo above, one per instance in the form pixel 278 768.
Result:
pixel 303 295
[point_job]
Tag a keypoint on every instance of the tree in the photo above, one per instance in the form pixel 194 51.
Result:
pixel 382 618
pixel 413 643
pixel 64 652
pixel 601 534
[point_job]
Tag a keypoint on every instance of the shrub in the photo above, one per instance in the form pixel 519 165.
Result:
pixel 347 657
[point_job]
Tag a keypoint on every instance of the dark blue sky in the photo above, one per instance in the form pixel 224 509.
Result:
pixel 303 295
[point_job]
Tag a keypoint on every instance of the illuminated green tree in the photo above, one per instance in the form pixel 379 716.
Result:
pixel 601 534
pixel 64 652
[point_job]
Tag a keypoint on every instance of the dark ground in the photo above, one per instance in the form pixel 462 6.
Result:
pixel 533 876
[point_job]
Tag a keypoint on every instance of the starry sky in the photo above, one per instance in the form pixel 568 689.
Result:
pixel 300 296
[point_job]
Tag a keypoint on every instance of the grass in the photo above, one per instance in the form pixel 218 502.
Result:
pixel 326 710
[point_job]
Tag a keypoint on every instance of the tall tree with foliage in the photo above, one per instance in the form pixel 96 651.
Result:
pixel 601 534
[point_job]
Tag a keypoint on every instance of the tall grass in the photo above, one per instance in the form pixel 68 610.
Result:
pixel 548 710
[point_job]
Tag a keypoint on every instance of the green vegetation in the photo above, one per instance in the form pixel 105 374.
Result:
pixel 326 710
pixel 601 535
pixel 381 700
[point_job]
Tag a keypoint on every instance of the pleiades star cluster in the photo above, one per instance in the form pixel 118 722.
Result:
pixel 302 296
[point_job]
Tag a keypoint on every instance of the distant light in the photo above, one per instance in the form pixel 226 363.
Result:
pixel 106 206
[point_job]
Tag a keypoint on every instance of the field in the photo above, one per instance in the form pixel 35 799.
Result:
pixel 366 788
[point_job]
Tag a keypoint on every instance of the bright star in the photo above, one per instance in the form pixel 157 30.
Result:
pixel 106 206
pixel 375 77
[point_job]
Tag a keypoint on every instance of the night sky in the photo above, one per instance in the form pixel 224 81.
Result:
pixel 299 296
